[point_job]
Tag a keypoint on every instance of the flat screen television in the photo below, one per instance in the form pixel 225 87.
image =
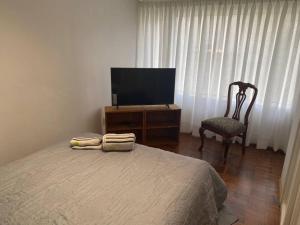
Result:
pixel 142 86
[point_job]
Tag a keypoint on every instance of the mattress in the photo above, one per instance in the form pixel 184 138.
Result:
pixel 147 186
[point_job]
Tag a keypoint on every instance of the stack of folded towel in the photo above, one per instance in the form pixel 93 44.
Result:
pixel 85 143
pixel 118 142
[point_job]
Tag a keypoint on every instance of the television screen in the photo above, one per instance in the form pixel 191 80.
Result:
pixel 142 86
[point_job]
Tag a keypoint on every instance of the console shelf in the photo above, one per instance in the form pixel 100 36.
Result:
pixel 153 125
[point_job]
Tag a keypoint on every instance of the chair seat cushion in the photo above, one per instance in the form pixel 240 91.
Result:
pixel 224 125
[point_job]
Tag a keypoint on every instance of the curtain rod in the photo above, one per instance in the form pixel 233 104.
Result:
pixel 209 0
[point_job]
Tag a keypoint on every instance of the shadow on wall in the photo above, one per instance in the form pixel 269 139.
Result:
pixel 96 121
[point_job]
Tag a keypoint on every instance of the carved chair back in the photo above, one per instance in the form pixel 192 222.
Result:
pixel 240 99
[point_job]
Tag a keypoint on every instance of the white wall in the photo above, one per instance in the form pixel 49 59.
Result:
pixel 55 59
pixel 289 182
pixel 290 195
pixel 290 148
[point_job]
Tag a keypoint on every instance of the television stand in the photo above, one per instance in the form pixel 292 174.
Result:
pixel 155 126
pixel 167 105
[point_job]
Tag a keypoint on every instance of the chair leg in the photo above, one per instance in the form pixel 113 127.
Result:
pixel 227 143
pixel 244 143
pixel 201 132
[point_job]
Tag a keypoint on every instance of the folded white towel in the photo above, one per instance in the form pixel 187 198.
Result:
pixel 82 141
pixel 117 136
pixel 115 139
pixel 95 147
pixel 118 142
pixel 124 140
pixel 107 147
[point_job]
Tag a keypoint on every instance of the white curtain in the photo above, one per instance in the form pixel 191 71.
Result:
pixel 213 43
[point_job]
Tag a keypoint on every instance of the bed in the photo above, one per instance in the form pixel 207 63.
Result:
pixel 147 186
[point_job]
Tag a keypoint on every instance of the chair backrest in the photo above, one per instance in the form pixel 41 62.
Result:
pixel 240 99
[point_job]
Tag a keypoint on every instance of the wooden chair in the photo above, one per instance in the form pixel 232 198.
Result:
pixel 231 127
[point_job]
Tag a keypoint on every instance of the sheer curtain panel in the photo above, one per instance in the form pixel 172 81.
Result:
pixel 213 43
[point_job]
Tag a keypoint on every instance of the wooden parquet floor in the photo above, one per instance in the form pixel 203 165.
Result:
pixel 252 180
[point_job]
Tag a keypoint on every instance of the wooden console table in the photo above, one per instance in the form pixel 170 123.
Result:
pixel 153 125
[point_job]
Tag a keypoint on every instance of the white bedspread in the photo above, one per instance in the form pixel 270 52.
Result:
pixel 147 186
